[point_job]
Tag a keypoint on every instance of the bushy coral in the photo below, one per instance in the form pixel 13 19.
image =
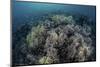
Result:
pixel 59 40
pixel 33 37
pixel 45 60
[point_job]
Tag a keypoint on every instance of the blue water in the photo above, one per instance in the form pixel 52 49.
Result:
pixel 26 12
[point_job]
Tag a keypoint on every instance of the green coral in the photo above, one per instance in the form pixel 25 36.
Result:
pixel 34 35
pixel 58 19
pixel 45 60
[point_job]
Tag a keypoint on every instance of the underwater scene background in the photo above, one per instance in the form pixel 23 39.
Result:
pixel 50 33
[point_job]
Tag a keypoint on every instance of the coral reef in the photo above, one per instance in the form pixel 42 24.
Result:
pixel 59 39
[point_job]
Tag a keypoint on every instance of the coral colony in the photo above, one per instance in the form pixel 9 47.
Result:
pixel 57 39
